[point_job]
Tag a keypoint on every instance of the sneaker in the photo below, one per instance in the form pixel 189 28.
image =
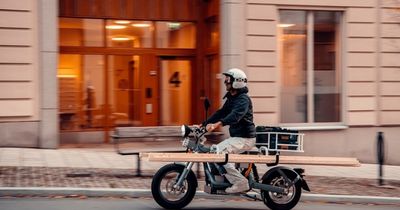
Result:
pixel 238 187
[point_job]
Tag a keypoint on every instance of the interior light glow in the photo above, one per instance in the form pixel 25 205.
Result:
pixel 115 27
pixel 124 22
pixel 174 26
pixel 66 76
pixel 121 38
pixel 141 25
pixel 285 25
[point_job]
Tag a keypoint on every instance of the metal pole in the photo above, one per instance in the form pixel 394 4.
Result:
pixel 198 171
pixel 138 169
pixel 381 156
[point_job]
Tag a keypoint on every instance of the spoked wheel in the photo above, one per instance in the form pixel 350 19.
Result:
pixel 164 191
pixel 281 201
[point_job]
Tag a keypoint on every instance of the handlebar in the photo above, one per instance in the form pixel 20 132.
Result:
pixel 200 131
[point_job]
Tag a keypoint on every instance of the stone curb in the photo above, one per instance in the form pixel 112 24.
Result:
pixel 67 191
pixel 136 193
pixel 350 198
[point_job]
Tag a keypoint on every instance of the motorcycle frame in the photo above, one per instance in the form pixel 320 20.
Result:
pixel 253 184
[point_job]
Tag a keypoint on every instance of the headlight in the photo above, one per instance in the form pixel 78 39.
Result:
pixel 185 130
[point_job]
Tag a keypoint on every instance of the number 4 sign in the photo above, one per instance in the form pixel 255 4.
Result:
pixel 174 79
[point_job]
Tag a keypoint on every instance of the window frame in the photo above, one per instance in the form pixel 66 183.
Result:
pixel 311 124
pixel 154 33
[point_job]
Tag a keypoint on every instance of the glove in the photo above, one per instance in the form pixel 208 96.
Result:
pixel 185 142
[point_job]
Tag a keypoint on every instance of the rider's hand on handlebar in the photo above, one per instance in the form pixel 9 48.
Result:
pixel 197 126
pixel 212 126
pixel 185 142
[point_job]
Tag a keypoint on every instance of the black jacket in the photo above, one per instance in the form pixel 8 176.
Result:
pixel 237 112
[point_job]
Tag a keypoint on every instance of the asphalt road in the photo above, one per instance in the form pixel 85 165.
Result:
pixel 147 203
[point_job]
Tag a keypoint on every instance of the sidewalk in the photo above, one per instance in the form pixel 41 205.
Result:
pixel 101 167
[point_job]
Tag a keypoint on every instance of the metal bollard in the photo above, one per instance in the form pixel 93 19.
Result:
pixel 381 156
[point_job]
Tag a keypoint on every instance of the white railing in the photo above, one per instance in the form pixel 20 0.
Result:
pixel 282 141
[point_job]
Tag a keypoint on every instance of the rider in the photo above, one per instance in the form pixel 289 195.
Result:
pixel 237 112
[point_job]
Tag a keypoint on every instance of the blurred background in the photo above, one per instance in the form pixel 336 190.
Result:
pixel 71 71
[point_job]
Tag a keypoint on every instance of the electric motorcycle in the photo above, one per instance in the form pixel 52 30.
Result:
pixel 174 185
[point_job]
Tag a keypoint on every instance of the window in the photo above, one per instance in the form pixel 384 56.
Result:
pixel 212 36
pixel 310 66
pixel 102 64
pixel 77 32
pixel 125 33
pixel 81 92
pixel 81 32
pixel 176 35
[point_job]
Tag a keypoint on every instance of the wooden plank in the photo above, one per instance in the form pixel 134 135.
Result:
pixel 160 131
pixel 318 3
pixel 308 160
pixel 242 158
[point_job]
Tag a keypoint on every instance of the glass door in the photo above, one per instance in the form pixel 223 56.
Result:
pixel 124 90
pixel 176 91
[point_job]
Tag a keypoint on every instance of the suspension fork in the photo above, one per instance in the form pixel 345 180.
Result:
pixel 184 174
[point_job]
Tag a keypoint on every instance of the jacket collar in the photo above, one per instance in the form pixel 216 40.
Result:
pixel 239 92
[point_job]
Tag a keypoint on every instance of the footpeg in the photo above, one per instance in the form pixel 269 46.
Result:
pixel 251 196
pixel 209 190
pixel 222 192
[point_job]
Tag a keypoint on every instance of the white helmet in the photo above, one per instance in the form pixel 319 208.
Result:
pixel 237 78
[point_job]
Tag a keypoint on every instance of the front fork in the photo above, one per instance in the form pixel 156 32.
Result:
pixel 183 175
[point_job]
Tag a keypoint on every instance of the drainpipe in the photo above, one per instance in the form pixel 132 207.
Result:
pixel 378 62
pixel 47 31
pixel 233 32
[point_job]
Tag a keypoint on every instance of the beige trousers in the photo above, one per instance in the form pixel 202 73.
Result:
pixel 235 145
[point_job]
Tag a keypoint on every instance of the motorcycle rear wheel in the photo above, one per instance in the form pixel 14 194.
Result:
pixel 281 201
pixel 162 187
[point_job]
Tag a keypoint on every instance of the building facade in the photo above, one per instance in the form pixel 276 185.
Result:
pixel 72 70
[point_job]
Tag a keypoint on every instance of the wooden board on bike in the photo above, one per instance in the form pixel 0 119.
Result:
pixel 247 158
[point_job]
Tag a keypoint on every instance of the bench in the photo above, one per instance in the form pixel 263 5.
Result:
pixel 152 133
pixel 156 132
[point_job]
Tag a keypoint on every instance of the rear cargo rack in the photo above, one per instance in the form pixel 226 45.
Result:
pixel 281 141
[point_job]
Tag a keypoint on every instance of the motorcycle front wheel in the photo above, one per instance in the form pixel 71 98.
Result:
pixel 165 192
pixel 281 201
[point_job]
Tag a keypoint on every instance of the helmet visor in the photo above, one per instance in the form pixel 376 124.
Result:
pixel 228 79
